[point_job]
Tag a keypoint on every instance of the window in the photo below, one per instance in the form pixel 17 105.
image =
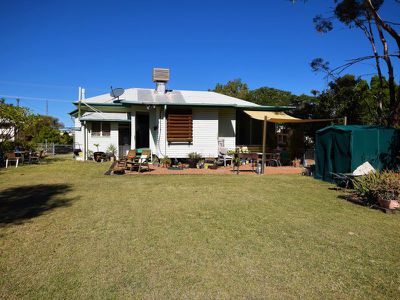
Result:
pixel 105 128
pixel 179 126
pixel 101 129
pixel 96 128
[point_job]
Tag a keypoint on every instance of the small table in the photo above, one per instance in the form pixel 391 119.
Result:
pixel 248 156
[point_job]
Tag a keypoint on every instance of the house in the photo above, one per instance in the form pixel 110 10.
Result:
pixel 7 131
pixel 171 123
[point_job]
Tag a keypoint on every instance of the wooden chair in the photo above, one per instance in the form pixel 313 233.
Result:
pixel 35 157
pixel 143 162
pixel 11 157
pixel 127 162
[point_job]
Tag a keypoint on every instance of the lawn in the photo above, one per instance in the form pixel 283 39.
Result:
pixel 68 231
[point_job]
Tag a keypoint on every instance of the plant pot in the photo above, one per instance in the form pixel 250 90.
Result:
pixel 193 163
pixel 389 204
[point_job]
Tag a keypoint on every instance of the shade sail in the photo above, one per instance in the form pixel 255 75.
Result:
pixel 280 117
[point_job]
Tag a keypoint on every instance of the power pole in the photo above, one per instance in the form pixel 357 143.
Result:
pixel 47 107
pixel 18 102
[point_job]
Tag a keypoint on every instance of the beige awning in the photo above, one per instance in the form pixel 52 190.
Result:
pixel 280 117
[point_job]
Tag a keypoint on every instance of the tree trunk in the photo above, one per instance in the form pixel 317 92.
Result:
pixel 384 25
pixel 394 106
pixel 370 35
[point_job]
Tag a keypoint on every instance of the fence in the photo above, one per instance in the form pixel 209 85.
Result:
pixel 309 154
pixel 53 149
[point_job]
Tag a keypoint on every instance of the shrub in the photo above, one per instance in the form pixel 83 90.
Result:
pixel 166 161
pixel 111 149
pixel 194 155
pixel 377 186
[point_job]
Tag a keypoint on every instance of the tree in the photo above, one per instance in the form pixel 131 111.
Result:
pixel 45 128
pixel 346 96
pixel 363 14
pixel 234 88
pixel 13 121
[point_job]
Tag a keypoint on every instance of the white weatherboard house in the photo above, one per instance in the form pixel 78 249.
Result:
pixel 171 123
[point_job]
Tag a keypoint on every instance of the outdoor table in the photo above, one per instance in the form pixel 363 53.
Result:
pixel 23 154
pixel 248 156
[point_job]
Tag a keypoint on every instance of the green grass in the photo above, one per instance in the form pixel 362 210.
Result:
pixel 68 231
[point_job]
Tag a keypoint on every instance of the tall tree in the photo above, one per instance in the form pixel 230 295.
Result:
pixel 234 88
pixel 363 14
pixel 13 121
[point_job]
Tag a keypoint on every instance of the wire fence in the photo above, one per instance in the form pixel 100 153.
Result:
pixel 309 154
pixel 53 149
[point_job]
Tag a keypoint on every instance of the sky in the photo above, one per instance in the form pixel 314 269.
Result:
pixel 50 48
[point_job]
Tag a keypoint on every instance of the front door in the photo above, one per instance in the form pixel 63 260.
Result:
pixel 142 130
pixel 124 138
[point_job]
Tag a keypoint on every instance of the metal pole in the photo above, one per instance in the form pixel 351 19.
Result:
pixel 84 141
pixel 79 102
pixel 264 144
pixel 345 120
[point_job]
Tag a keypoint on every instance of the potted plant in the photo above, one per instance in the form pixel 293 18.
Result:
pixel 165 162
pixel 111 150
pixel 386 201
pixel 90 154
pixel 379 188
pixel 194 159
pixel 387 192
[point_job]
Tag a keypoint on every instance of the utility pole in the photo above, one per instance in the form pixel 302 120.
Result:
pixel 17 101
pixel 47 107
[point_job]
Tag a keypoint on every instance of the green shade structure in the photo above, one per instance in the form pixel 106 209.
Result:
pixel 341 149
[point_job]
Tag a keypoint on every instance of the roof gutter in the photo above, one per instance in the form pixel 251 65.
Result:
pixel 247 107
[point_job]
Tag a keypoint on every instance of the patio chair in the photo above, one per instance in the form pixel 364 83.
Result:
pixel 223 156
pixel 11 157
pixel 275 159
pixel 35 157
pixel 143 162
pixel 128 160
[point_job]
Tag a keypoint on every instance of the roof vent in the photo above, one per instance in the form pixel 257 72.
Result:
pixel 160 75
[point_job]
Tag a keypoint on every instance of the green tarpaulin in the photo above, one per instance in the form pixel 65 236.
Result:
pixel 341 149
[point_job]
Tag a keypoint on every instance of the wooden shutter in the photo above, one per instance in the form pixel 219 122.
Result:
pixel 179 126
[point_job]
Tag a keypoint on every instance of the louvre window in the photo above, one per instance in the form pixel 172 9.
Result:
pixel 179 126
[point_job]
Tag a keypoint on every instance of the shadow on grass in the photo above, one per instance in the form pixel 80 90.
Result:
pixel 19 204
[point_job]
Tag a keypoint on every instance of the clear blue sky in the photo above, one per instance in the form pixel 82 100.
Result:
pixel 49 48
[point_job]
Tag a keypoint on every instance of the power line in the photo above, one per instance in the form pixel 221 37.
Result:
pixel 46 85
pixel 34 98
pixel 34 107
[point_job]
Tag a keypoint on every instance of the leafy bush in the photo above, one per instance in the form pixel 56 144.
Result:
pixel 166 161
pixel 112 149
pixel 378 186
pixel 231 152
pixel 194 155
